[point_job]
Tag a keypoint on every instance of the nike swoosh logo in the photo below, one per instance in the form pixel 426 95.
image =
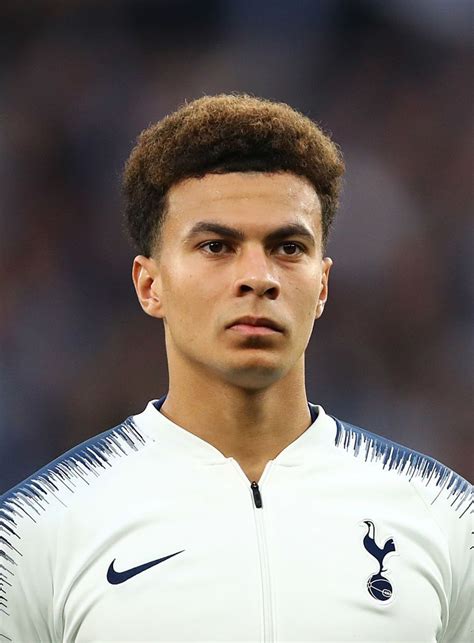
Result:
pixel 115 578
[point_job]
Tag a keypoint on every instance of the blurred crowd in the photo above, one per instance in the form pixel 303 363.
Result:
pixel 391 82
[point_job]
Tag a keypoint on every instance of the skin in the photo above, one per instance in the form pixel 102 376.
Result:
pixel 244 395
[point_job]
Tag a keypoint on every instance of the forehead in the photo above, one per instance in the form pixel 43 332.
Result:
pixel 243 195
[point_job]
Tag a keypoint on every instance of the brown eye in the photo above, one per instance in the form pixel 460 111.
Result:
pixel 292 245
pixel 213 243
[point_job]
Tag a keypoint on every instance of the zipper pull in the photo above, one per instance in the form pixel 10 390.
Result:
pixel 256 495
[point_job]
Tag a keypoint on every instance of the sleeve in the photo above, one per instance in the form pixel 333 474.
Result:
pixel 449 500
pixel 460 627
pixel 26 584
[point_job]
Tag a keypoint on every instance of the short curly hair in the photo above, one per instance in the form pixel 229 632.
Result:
pixel 220 134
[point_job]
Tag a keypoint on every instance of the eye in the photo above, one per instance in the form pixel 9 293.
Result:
pixel 217 242
pixel 294 245
pixel 213 243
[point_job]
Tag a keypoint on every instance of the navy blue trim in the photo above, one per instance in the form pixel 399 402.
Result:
pixel 159 403
pixel 93 454
pixel 314 412
pixel 413 464
pixel 31 497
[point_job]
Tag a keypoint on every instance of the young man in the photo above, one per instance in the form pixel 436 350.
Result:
pixel 231 508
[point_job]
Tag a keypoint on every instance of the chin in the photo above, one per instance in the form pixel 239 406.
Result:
pixel 253 377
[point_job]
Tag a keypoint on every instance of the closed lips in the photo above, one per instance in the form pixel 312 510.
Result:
pixel 257 321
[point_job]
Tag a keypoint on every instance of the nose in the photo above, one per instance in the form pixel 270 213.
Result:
pixel 255 274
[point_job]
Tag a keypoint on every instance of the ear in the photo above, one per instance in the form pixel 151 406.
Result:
pixel 326 264
pixel 147 282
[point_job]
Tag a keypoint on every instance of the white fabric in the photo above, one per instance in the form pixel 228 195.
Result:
pixel 295 569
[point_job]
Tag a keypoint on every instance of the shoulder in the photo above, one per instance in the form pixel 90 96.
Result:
pixel 68 491
pixel 441 488
pixel 53 489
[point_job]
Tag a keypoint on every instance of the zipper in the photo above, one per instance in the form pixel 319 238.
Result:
pixel 257 498
pixel 268 634
pixel 257 503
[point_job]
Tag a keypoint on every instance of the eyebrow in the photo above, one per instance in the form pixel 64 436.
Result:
pixel 287 230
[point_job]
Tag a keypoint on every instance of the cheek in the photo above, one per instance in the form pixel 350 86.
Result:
pixel 189 297
pixel 304 295
pixel 179 282
pixel 304 304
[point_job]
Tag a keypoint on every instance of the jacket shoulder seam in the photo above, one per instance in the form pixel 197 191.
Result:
pixel 415 466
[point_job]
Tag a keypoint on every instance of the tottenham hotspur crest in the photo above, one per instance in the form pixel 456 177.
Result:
pixel 378 586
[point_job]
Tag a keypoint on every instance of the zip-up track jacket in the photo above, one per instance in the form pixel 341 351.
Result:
pixel 148 533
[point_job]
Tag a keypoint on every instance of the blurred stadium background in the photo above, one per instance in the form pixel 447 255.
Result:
pixel 390 80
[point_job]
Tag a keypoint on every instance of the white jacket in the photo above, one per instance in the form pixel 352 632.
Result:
pixel 148 533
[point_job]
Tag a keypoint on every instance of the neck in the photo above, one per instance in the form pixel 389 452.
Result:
pixel 251 426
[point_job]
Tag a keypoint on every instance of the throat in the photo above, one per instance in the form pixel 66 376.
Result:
pixel 253 473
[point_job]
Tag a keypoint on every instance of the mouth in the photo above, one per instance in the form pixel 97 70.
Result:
pixel 251 325
pixel 247 329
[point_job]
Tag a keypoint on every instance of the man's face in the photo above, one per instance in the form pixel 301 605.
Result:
pixel 204 281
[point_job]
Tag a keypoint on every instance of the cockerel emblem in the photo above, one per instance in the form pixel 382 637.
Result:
pixel 378 586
